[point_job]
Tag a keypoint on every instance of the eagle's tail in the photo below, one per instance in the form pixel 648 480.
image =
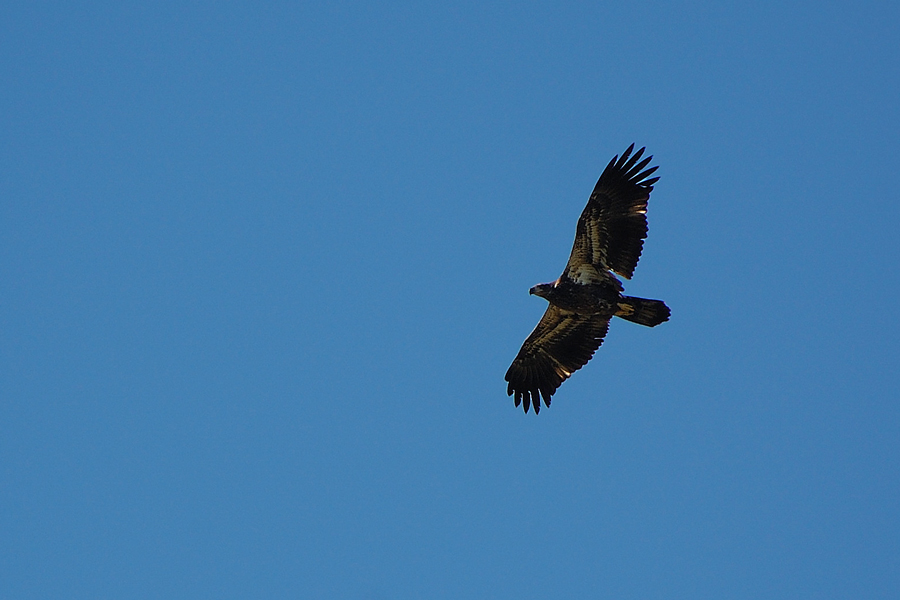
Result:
pixel 643 311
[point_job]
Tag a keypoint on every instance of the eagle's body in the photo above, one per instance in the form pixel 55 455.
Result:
pixel 609 238
pixel 580 298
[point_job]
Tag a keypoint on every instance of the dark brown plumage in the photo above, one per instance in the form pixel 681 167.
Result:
pixel 609 238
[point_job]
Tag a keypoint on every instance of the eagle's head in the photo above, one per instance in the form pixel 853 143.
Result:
pixel 543 289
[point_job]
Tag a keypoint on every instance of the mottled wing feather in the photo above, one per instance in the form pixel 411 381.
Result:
pixel 611 230
pixel 562 343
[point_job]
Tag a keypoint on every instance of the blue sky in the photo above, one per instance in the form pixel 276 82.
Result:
pixel 263 268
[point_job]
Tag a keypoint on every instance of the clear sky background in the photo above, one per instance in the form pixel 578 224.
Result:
pixel 263 268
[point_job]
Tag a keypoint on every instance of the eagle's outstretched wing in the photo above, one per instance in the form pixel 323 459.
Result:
pixel 610 233
pixel 562 343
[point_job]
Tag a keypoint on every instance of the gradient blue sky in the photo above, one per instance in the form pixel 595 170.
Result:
pixel 263 267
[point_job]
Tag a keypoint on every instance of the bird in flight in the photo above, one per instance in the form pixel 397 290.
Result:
pixel 608 239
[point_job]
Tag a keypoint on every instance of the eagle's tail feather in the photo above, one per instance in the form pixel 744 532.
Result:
pixel 642 311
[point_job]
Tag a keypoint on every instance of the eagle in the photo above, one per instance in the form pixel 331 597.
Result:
pixel 609 238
